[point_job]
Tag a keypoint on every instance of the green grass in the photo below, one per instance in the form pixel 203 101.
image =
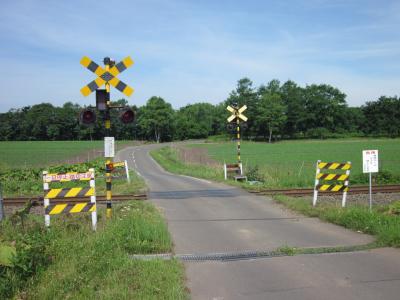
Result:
pixel 69 261
pixel 44 153
pixel 168 159
pixel 380 222
pixel 292 163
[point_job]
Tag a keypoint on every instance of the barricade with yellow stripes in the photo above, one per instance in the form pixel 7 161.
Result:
pixel 120 170
pixel 333 179
pixel 74 192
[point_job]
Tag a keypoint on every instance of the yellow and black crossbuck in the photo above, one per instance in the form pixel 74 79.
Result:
pixel 107 76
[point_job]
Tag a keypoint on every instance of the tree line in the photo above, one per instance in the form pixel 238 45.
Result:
pixel 275 111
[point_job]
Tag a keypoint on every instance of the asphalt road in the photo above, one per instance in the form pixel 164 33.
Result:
pixel 206 217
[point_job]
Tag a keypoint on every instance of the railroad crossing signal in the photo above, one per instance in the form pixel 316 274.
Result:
pixel 237 113
pixel 106 76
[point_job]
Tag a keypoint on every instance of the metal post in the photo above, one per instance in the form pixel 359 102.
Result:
pixel 93 199
pixel 370 191
pixel 316 183
pixel 225 172
pixel 238 140
pixel 1 205
pixel 108 169
pixel 346 184
pixel 46 201
pixel 127 172
pixel 107 120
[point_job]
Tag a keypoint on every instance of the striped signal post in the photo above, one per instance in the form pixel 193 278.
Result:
pixel 52 193
pixel 108 76
pixel 237 113
pixel 335 182
pixel 109 157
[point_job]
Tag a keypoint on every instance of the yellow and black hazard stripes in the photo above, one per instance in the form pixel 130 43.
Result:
pixel 334 179
pixel 69 192
pixel 337 177
pixel 334 166
pixel 332 188
pixel 55 209
pixel 106 76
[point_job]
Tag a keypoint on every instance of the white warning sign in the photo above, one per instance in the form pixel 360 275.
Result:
pixel 109 146
pixel 370 161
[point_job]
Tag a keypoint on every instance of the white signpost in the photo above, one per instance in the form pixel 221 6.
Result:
pixel 370 165
pixel 109 146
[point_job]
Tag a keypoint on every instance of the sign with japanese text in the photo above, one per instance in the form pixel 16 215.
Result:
pixel 370 161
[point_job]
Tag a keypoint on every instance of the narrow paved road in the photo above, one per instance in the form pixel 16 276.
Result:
pixel 206 217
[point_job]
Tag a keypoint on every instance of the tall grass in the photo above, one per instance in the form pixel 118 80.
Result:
pixel 76 263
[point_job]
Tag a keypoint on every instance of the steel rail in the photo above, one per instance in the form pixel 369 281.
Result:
pixel 308 191
pixel 16 201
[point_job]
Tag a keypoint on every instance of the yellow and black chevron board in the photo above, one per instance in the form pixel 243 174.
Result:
pixel 338 177
pixel 55 209
pixel 333 179
pixel 334 166
pixel 69 192
pixel 332 188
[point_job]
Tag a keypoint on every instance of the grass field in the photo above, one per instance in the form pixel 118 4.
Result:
pixel 292 163
pixel 69 261
pixel 43 153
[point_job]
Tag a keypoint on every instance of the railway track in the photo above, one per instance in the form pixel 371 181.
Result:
pixel 16 201
pixel 297 192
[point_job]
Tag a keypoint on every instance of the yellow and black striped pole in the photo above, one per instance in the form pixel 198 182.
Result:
pixel 237 113
pixel 107 120
pixel 238 139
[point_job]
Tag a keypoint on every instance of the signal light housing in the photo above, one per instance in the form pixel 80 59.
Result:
pixel 127 115
pixel 102 97
pixel 87 116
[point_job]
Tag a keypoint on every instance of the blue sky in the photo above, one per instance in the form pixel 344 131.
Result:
pixel 191 51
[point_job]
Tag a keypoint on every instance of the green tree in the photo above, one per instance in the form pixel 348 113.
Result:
pixel 156 120
pixel 325 106
pixel 382 116
pixel 195 121
pixel 271 110
pixel 296 113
